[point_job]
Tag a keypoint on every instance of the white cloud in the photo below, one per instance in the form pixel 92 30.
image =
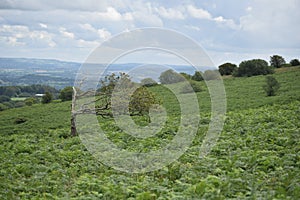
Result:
pixel 43 25
pixel 227 22
pixel 103 33
pixel 198 13
pixel 275 24
pixel 21 35
pixel 65 33
pixel 170 13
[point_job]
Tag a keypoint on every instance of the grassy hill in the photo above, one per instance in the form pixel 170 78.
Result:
pixel 256 157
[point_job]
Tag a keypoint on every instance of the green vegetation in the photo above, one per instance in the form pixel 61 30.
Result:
pixel 47 98
pixel 256 156
pixel 253 67
pixel 277 61
pixel 295 62
pixel 227 68
pixel 271 86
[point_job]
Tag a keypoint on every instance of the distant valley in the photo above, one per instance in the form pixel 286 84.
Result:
pixel 55 73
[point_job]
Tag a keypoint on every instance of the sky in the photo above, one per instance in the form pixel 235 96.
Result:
pixel 228 30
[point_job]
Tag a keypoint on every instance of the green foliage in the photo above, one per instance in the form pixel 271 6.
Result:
pixel 191 86
pixel 211 75
pixel 3 107
pixel 272 86
pixel 148 82
pixel 185 75
pixel 295 62
pixel 66 93
pixel 4 98
pixel 30 101
pixel 198 76
pixel 141 101
pixel 47 98
pixel 277 61
pixel 26 91
pixel 170 76
pixel 253 68
pixel 227 69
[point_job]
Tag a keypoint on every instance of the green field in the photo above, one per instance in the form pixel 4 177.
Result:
pixel 256 157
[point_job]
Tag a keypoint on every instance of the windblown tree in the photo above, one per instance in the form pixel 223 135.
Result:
pixel 111 96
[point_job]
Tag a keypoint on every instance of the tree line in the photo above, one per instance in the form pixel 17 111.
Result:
pixel 256 66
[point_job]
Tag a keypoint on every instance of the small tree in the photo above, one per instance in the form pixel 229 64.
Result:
pixel 272 85
pixel 47 98
pixel 170 76
pixel 148 82
pixel 295 62
pixel 277 61
pixel 227 69
pixel 66 94
pixel 198 76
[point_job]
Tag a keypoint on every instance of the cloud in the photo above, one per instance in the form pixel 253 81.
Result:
pixel 198 13
pixel 65 33
pixel 274 25
pixel 170 13
pixel 16 35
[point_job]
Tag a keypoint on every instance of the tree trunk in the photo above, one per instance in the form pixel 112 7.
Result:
pixel 73 114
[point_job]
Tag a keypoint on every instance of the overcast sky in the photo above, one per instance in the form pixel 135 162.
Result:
pixel 229 30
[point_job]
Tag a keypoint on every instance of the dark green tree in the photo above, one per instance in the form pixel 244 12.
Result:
pixel 277 61
pixel 47 98
pixel 148 82
pixel 198 76
pixel 253 67
pixel 185 75
pixel 170 76
pixel 66 94
pixel 295 62
pixel 227 69
pixel 272 85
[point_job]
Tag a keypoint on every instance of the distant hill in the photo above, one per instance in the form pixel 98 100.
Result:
pixel 59 74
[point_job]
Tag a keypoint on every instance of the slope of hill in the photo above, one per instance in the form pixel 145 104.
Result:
pixel 256 157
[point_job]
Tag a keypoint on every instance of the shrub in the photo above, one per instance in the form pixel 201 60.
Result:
pixel 4 98
pixel 211 75
pixel 170 76
pixel 148 82
pixel 271 86
pixel 30 101
pixel 295 62
pixel 47 98
pixel 198 76
pixel 193 86
pixel 66 94
pixel 286 65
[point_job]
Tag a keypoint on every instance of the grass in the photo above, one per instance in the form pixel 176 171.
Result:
pixel 256 157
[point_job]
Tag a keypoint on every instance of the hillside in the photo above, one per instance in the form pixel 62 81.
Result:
pixel 256 157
